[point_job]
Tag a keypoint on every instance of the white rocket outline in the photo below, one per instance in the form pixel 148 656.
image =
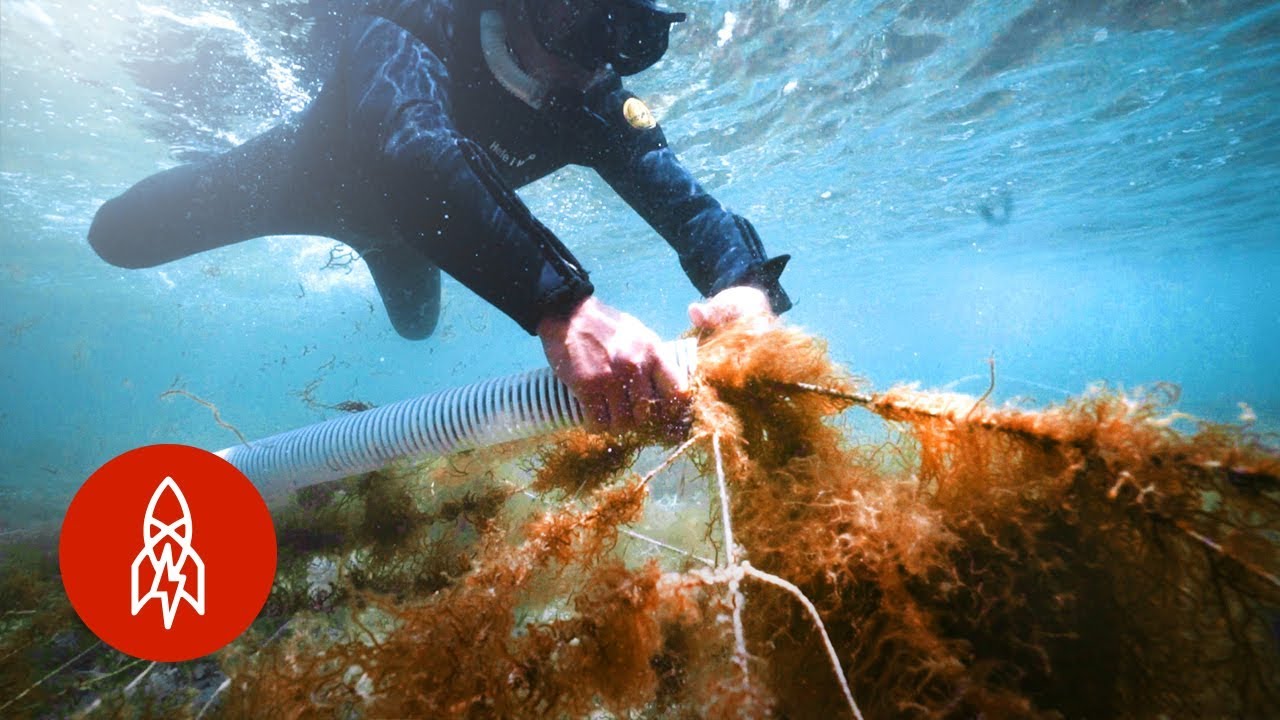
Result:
pixel 165 566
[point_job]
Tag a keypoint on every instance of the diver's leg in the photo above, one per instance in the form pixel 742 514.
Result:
pixel 385 70
pixel 266 186
pixel 409 284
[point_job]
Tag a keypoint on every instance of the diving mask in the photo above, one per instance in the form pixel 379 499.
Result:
pixel 630 35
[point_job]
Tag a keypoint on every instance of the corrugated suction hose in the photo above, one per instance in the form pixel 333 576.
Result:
pixel 479 415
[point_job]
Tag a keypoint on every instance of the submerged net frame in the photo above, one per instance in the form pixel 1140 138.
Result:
pixel 1084 560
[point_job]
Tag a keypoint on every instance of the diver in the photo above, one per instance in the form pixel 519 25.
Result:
pixel 410 154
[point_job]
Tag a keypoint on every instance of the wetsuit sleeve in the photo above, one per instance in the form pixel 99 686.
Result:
pixel 717 248
pixel 440 189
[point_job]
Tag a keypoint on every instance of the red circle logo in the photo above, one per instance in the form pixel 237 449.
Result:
pixel 167 553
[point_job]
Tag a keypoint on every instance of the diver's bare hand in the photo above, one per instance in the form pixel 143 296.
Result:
pixel 616 366
pixel 730 304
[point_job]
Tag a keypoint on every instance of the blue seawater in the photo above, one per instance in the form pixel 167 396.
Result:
pixel 1087 190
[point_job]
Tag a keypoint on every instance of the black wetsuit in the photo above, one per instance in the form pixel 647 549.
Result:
pixel 410 154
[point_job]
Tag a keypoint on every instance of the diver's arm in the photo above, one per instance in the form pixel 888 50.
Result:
pixel 442 191
pixel 446 198
pixel 717 248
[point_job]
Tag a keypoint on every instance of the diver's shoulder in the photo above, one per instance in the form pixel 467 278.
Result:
pixel 435 22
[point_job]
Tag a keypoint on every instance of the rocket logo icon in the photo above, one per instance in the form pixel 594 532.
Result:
pixel 202 571
pixel 167 566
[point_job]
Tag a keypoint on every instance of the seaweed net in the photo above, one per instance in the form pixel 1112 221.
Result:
pixel 1085 560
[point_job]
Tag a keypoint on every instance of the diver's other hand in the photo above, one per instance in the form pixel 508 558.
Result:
pixel 730 304
pixel 618 368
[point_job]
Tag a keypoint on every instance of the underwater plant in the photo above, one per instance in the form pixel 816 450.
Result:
pixel 1082 560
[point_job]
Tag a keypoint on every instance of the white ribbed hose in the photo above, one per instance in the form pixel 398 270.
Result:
pixel 479 415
